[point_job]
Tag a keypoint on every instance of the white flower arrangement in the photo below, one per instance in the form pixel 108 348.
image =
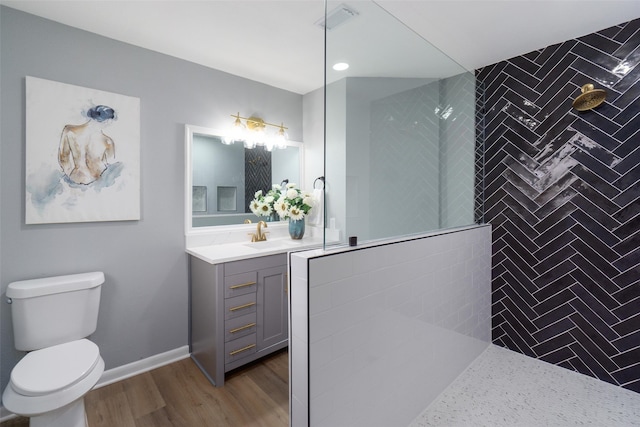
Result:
pixel 262 205
pixel 293 203
pixel 288 202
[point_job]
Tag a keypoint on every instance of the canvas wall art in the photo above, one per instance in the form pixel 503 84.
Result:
pixel 82 154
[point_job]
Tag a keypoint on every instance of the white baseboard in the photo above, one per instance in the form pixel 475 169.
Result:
pixel 6 415
pixel 140 366
pixel 126 371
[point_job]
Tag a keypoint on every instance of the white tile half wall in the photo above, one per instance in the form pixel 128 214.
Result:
pixel 379 331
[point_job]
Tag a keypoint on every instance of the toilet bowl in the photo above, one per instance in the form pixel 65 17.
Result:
pixel 49 385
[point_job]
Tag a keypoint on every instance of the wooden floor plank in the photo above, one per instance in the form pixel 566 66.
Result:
pixel 260 407
pixel 16 422
pixel 143 395
pixel 271 383
pixel 161 418
pixel 279 364
pixel 188 393
pixel 112 410
pixel 179 395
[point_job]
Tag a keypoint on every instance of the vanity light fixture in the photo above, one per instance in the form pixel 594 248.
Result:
pixel 253 133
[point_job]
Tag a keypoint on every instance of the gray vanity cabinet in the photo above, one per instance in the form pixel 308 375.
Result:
pixel 238 312
pixel 272 313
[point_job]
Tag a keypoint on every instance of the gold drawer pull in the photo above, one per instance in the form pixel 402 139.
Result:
pixel 242 285
pixel 240 307
pixel 242 328
pixel 240 350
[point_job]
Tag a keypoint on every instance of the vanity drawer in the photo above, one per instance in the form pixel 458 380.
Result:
pixel 240 284
pixel 242 347
pixel 240 326
pixel 254 264
pixel 239 306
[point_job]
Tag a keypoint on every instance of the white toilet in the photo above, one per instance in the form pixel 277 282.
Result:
pixel 51 318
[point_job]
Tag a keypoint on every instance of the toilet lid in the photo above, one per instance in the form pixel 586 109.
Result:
pixel 54 368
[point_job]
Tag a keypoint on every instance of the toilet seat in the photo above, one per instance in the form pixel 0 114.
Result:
pixel 46 371
pixel 30 406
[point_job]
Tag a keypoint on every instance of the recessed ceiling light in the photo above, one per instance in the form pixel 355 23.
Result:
pixel 340 66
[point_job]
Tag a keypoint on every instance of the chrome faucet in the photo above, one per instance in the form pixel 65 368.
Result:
pixel 259 235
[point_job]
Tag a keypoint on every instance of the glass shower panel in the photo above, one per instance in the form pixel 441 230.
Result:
pixel 399 128
pixel 457 150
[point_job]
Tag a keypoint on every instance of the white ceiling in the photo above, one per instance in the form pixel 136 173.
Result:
pixel 279 43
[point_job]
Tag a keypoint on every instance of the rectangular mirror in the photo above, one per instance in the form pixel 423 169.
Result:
pixel 221 179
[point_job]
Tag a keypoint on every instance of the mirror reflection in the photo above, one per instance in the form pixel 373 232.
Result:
pixel 223 178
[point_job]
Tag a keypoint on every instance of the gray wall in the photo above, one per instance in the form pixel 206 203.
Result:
pixel 144 307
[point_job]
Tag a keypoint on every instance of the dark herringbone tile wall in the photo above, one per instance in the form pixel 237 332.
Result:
pixel 562 192
pixel 257 173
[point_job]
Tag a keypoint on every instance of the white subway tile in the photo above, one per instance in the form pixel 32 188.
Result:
pixel 388 320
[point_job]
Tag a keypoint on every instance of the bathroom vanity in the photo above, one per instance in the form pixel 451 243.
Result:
pixel 239 312
pixel 239 302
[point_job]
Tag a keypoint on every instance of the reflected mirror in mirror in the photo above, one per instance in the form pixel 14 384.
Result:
pixel 222 179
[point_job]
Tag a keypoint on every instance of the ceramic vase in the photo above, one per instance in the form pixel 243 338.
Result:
pixel 296 228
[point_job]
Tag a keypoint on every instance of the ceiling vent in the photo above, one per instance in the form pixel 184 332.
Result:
pixel 337 16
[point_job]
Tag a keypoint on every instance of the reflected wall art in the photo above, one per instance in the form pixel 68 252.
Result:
pixel 82 154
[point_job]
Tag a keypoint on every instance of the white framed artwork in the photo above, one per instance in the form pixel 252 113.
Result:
pixel 82 154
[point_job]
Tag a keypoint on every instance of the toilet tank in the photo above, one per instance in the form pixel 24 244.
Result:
pixel 54 310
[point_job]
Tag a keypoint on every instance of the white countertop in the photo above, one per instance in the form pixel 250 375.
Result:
pixel 233 243
pixel 216 254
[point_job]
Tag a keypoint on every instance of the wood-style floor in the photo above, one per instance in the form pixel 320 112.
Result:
pixel 179 395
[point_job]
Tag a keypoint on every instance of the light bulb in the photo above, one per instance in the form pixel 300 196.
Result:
pixel 236 133
pixel 260 136
pixel 281 138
